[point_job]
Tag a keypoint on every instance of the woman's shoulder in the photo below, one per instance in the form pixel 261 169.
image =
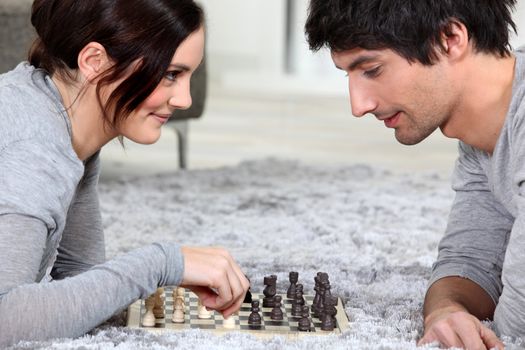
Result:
pixel 29 109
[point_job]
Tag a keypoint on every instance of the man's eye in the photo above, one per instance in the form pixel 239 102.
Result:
pixel 172 75
pixel 372 72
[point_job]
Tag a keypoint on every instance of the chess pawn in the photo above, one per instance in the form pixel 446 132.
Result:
pixel 304 323
pixel 202 312
pixel 229 322
pixel 293 278
pixel 178 311
pixel 148 320
pixel 158 309
pixel 255 317
pixel 277 314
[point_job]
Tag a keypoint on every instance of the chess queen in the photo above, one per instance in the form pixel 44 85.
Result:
pixel 99 70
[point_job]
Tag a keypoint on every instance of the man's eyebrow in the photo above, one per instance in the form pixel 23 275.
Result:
pixel 359 61
pixel 181 67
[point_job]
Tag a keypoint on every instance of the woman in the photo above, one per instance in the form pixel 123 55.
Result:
pixel 99 70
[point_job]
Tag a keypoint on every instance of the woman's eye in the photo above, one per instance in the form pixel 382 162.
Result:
pixel 172 75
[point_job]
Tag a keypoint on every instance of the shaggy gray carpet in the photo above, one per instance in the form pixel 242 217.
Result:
pixel 373 231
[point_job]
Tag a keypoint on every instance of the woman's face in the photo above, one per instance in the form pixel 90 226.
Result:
pixel 144 124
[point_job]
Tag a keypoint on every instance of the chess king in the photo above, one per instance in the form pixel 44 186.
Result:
pixel 112 79
pixel 423 65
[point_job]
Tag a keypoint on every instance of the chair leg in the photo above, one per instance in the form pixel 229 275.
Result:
pixel 181 128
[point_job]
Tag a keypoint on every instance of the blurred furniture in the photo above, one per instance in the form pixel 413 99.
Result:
pixel 17 34
pixel 180 118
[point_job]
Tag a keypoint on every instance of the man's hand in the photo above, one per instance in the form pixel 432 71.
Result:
pixel 454 327
pixel 215 277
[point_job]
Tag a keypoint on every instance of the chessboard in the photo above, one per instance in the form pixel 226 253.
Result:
pixel 288 327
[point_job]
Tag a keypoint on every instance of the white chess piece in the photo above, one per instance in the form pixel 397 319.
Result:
pixel 202 311
pixel 158 309
pixel 180 294
pixel 178 311
pixel 229 322
pixel 148 320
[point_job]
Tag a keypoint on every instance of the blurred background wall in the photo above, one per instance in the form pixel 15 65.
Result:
pixel 259 45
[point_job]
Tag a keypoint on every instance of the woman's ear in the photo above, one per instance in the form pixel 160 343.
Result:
pixel 92 60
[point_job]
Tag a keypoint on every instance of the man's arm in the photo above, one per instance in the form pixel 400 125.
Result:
pixel 466 279
pixel 452 310
pixel 457 293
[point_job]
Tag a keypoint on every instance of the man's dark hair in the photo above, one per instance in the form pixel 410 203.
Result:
pixel 412 28
pixel 148 31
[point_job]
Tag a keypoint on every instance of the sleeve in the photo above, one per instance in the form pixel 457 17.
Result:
pixel 82 245
pixel 35 187
pixel 477 232
pixel 73 306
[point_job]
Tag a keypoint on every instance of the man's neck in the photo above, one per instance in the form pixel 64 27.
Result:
pixel 483 103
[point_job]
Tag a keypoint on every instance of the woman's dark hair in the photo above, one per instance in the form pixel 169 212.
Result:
pixel 412 28
pixel 145 30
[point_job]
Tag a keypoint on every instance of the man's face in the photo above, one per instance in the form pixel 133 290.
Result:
pixel 409 97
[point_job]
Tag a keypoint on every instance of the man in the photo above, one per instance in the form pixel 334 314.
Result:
pixel 419 65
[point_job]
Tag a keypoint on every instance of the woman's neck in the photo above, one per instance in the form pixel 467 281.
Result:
pixel 89 132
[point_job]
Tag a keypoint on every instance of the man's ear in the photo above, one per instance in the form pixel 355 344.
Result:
pixel 92 60
pixel 455 40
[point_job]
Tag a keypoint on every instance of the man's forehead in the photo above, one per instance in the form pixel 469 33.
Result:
pixel 352 59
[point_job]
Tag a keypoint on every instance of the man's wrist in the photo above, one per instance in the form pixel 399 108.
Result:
pixel 442 309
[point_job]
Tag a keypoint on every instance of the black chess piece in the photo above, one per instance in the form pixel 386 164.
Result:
pixel 248 296
pixel 298 301
pixel 269 292
pixel 277 314
pixel 255 317
pixel 328 314
pixel 294 278
pixel 304 323
pixel 315 302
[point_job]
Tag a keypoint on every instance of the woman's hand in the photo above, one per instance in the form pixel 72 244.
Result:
pixel 215 277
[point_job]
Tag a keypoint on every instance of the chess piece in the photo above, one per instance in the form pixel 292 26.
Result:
pixel 277 314
pixel 158 309
pixel 293 277
pixel 269 292
pixel 304 323
pixel 178 293
pixel 229 322
pixel 298 301
pixel 202 312
pixel 255 317
pixel 328 314
pixel 178 311
pixel 248 296
pixel 315 302
pixel 148 320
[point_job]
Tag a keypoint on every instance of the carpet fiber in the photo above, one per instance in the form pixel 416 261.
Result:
pixel 373 231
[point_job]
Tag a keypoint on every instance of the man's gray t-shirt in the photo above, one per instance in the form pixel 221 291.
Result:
pixel 54 281
pixel 485 238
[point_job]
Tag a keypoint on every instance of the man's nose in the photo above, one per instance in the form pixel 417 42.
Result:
pixel 361 101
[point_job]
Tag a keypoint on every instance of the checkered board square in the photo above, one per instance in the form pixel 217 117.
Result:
pixel 287 327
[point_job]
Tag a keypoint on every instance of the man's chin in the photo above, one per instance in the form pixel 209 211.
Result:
pixel 408 140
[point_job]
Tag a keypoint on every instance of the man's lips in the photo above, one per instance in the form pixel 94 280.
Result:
pixel 391 121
